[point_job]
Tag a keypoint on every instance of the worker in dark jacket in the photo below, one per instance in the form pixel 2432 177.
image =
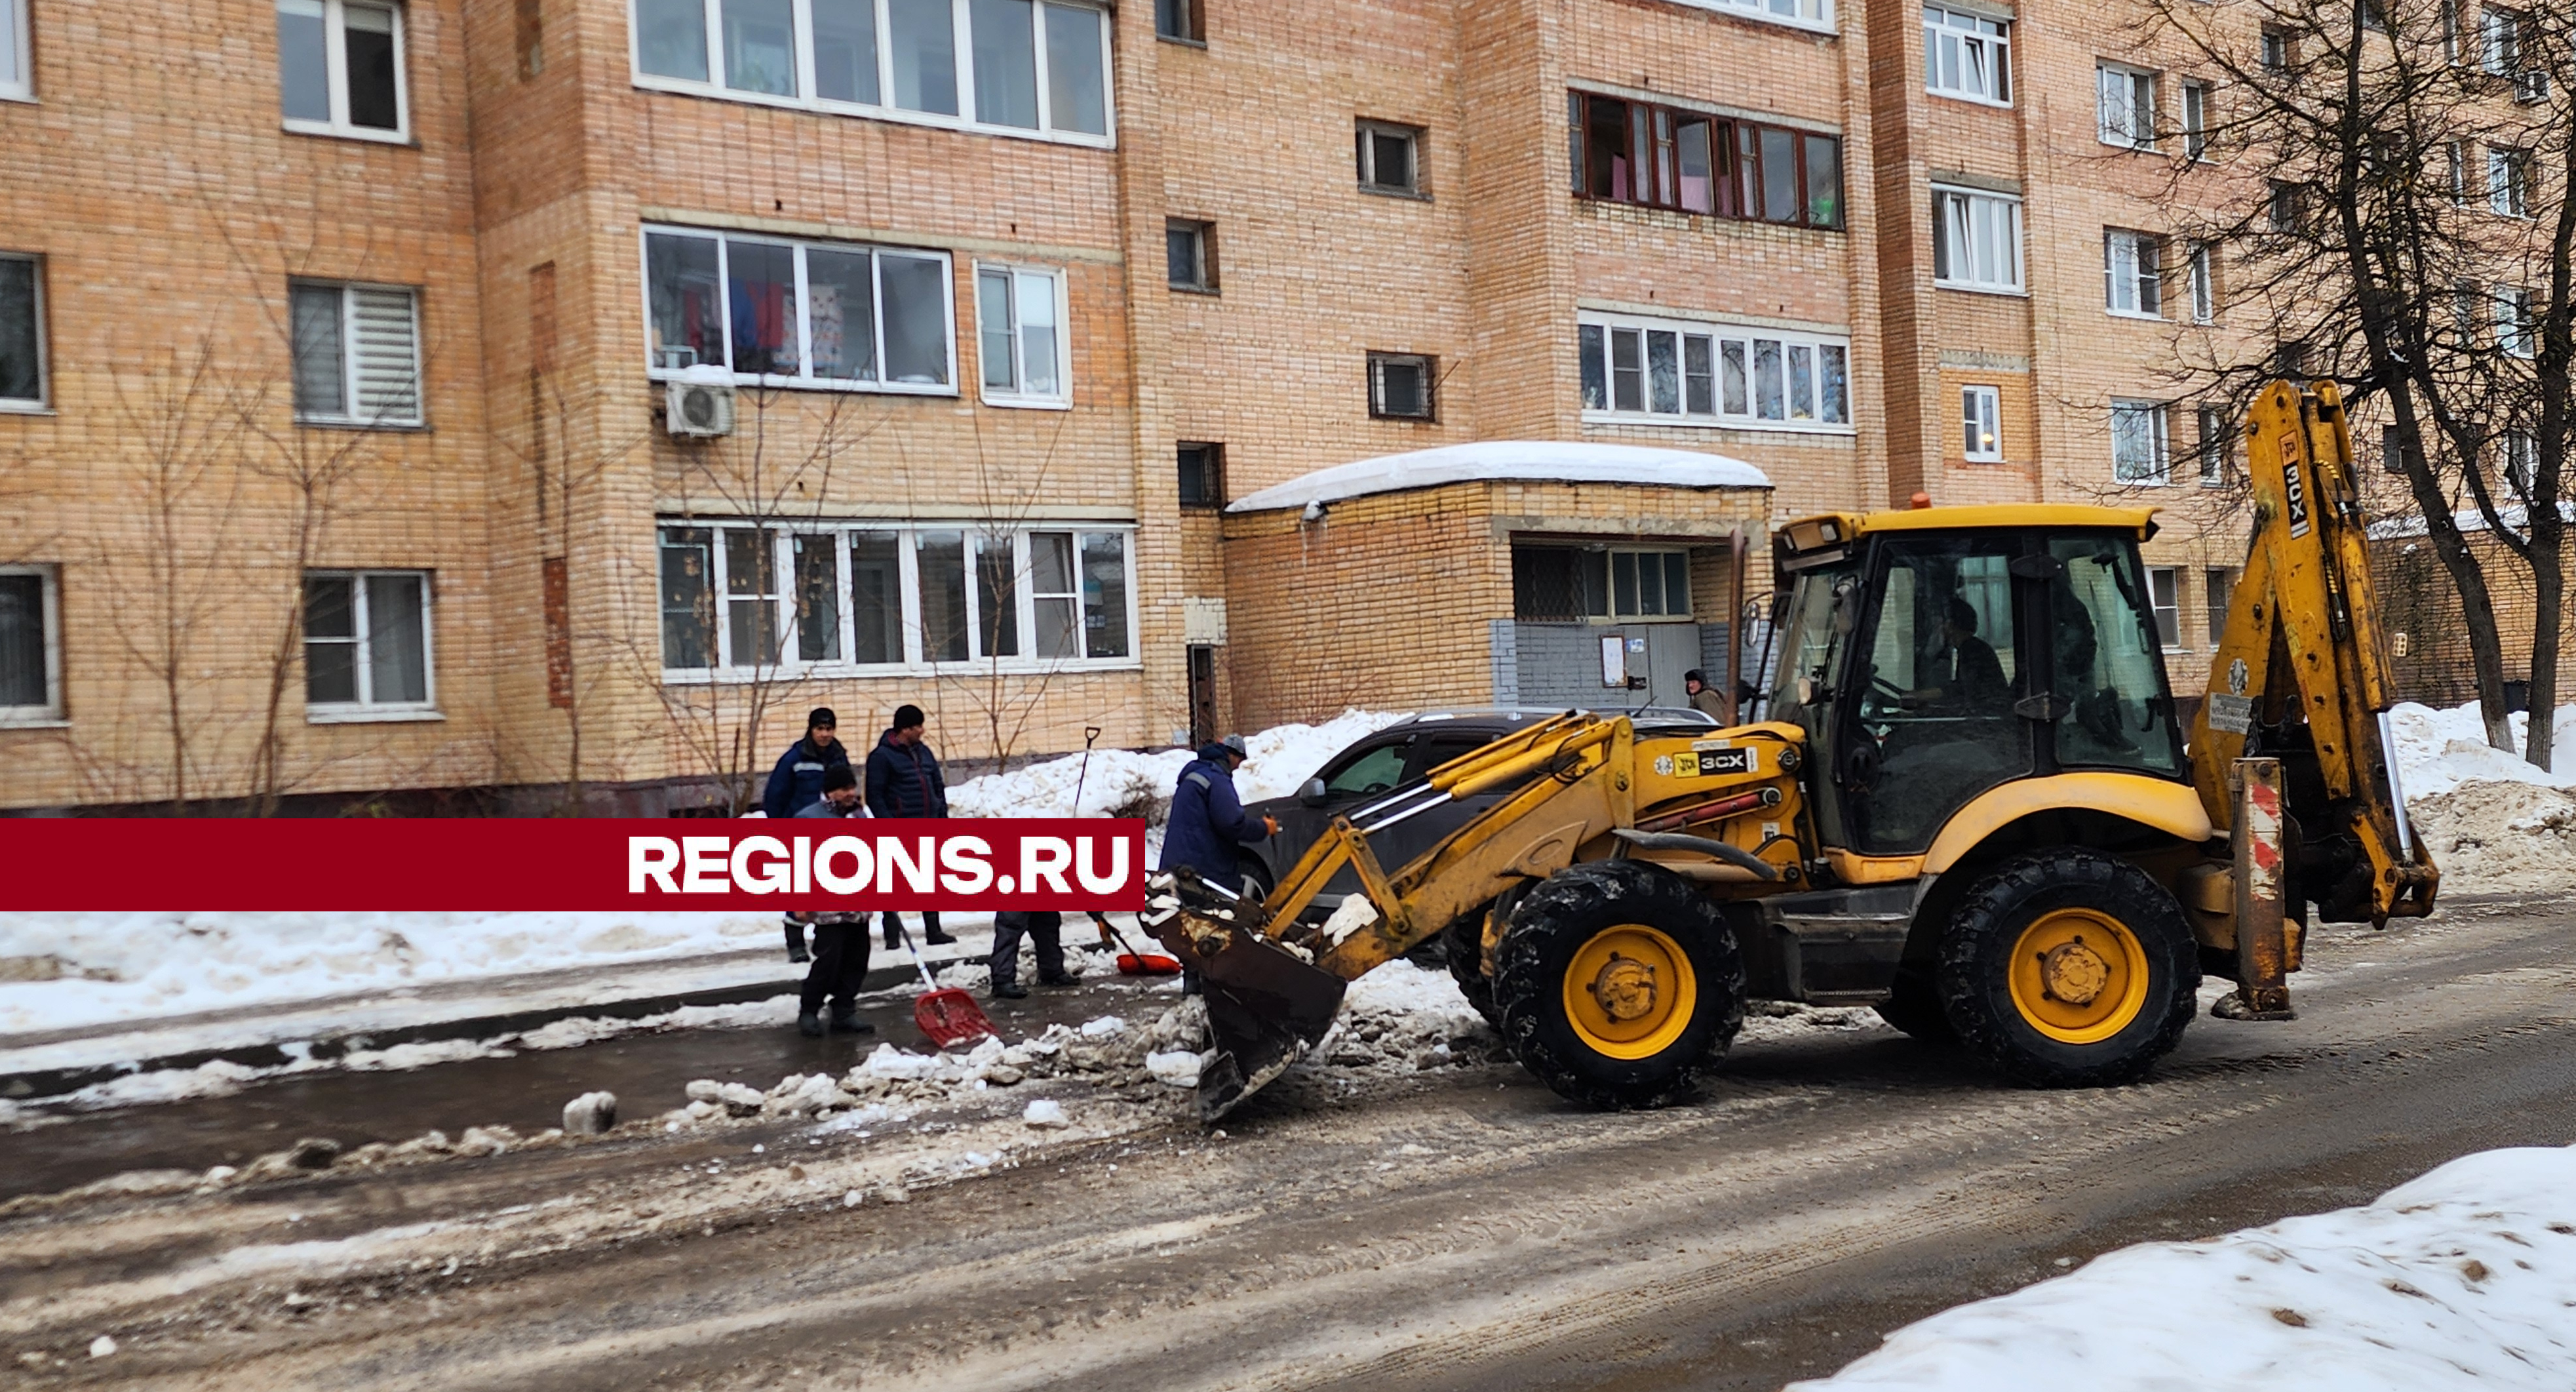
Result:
pixel 1208 822
pixel 797 783
pixel 840 935
pixel 903 781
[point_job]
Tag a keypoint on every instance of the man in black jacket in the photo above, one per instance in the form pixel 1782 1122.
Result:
pixel 797 783
pixel 903 781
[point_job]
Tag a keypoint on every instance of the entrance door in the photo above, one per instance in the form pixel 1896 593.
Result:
pixel 1202 694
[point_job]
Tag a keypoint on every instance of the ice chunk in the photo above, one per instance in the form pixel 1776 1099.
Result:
pixel 102 1346
pixel 1046 1112
pixel 1103 1027
pixel 1179 1067
pixel 591 1114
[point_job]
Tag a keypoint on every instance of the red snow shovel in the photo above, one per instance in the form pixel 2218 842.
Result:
pixel 946 1014
pixel 1134 963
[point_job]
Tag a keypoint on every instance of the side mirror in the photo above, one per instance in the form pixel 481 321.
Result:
pixel 1312 794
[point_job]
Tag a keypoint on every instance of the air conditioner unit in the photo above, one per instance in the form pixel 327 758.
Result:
pixel 2531 86
pixel 697 410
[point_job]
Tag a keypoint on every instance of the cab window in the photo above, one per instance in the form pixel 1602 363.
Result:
pixel 2107 654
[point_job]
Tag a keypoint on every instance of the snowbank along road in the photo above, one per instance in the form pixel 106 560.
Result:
pixel 1373 1222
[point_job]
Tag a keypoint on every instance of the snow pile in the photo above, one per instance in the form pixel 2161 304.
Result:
pixel 2494 824
pixel 1123 784
pixel 2438 750
pixel 1404 1018
pixel 2464 1277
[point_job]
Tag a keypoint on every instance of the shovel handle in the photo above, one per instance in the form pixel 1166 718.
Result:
pixel 917 964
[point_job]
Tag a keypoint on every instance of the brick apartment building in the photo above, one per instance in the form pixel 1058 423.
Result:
pixel 459 394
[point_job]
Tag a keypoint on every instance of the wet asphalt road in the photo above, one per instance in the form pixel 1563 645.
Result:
pixel 526 1091
pixel 1461 1230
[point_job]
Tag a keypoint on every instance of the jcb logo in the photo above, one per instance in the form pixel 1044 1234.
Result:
pixel 2294 489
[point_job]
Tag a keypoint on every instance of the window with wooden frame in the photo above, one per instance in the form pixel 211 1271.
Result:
pixel 1202 473
pixel 1180 21
pixel 1389 158
pixel 1624 151
pixel 1401 386
pixel 1189 255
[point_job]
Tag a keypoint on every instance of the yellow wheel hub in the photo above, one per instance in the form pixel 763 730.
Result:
pixel 2078 976
pixel 1630 992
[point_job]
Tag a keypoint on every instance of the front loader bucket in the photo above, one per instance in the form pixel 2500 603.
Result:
pixel 1266 1005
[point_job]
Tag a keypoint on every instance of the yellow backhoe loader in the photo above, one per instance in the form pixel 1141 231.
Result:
pixel 1974 809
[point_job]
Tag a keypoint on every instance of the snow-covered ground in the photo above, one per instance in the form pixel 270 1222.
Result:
pixel 2465 1277
pixel 61 971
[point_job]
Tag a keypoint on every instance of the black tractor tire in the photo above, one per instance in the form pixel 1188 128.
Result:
pixel 1977 959
pixel 1913 1005
pixel 1462 944
pixel 1555 922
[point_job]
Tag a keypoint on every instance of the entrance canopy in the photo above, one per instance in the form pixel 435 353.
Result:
pixel 1508 461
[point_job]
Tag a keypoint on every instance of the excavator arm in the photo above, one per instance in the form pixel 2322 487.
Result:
pixel 2302 673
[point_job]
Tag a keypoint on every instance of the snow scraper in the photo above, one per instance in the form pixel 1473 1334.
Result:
pixel 946 1014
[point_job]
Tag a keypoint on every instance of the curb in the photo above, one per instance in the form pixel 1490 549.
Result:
pixel 36 1084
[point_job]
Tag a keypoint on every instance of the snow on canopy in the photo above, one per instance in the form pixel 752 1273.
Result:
pixel 1508 461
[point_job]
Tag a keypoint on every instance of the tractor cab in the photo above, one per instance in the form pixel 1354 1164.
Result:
pixel 1933 655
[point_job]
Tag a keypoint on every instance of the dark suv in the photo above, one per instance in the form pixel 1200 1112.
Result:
pixel 1377 764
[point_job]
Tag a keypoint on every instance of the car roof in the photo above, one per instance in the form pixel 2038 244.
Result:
pixel 1505 717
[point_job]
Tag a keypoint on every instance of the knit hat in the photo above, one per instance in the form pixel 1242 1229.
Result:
pixel 821 718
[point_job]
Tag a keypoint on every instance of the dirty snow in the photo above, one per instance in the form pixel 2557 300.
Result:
pixel 2494 823
pixel 2463 1277
pixel 1508 461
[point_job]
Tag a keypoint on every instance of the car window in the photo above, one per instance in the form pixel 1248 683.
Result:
pixel 1438 750
pixel 1372 770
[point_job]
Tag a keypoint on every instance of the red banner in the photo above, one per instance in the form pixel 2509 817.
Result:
pixel 469 864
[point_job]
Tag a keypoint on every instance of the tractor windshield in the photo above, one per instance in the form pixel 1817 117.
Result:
pixel 1822 608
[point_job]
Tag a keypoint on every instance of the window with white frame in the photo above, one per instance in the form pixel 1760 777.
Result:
pixel 2513 321
pixel 2125 106
pixel 31 678
pixel 1981 416
pixel 2195 121
pixel 2456 153
pixel 799 314
pixel 2509 182
pixel 1976 240
pixel 340 68
pixel 22 332
pixel 16 78
pixel 2500 40
pixel 357 353
pixel 1010 67
pixel 1967 56
pixel 1804 14
pixel 2217 431
pixel 1679 372
pixel 2139 444
pixel 2133 273
pixel 2521 457
pixel 739 598
pixel 2201 270
pixel 1020 337
pixel 2164 596
pixel 367 642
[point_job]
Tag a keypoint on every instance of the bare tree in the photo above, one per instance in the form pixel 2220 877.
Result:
pixel 187 491
pixel 2392 177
